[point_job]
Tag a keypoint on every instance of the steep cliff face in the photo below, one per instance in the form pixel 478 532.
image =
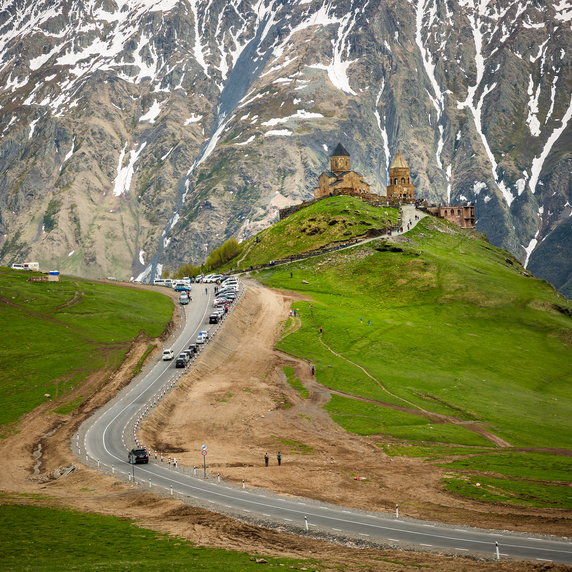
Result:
pixel 139 134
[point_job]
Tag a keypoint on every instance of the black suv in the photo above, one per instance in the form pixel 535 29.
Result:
pixel 182 360
pixel 138 456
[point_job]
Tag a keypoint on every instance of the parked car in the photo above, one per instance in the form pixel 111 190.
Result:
pixel 214 318
pixel 182 360
pixel 213 278
pixel 138 455
pixel 184 299
pixel 168 354
pixel 193 348
pixel 202 338
pixel 229 294
pixel 226 291
pixel 189 354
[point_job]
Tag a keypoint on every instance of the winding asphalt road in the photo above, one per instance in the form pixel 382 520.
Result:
pixel 104 441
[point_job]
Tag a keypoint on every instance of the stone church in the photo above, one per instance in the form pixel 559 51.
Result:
pixel 340 179
pixel 400 188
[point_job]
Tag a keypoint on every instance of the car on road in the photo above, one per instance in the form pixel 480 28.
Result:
pixel 182 360
pixel 193 349
pixel 138 455
pixel 202 338
pixel 168 354
pixel 214 318
pixel 189 353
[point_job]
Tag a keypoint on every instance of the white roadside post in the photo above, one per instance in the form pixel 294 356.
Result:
pixel 396 511
pixel 306 523
pixel 497 550
pixel 204 454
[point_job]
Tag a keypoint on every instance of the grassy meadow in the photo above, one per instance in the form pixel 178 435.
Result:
pixel 58 333
pixel 446 323
pixel 43 538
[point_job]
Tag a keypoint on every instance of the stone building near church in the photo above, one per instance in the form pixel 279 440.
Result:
pixel 461 215
pixel 340 179
pixel 400 188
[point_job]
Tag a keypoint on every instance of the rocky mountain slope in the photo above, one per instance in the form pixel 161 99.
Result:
pixel 137 135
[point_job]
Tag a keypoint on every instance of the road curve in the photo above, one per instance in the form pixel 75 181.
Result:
pixel 104 440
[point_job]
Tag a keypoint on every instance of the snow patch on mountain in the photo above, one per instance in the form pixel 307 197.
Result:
pixel 122 182
pixel 152 114
pixel 300 114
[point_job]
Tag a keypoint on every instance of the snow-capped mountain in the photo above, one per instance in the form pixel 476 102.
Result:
pixel 137 135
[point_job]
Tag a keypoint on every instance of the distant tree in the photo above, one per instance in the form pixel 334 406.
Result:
pixel 187 270
pixel 165 274
pixel 225 252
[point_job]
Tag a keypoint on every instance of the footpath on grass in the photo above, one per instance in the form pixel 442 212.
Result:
pixel 414 409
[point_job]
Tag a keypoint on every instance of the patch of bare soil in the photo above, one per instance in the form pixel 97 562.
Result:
pixel 237 400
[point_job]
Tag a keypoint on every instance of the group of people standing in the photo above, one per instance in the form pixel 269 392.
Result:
pixel 278 458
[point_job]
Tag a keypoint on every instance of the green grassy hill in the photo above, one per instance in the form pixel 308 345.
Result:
pixel 58 333
pixel 471 349
pixel 335 220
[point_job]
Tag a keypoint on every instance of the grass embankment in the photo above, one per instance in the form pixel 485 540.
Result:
pixel 59 333
pixel 321 224
pixel 53 539
pixel 450 325
pixel 294 382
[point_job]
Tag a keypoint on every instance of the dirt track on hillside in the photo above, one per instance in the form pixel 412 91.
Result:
pixel 237 400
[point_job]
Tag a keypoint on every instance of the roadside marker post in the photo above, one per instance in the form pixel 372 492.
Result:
pixel 204 454
pixel 396 511
pixel 306 523
pixel 497 550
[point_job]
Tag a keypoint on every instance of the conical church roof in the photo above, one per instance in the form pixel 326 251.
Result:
pixel 399 162
pixel 339 151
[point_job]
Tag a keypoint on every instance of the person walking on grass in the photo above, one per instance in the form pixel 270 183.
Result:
pixel 266 459
pixel 279 458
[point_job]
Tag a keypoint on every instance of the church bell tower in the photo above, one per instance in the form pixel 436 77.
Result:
pixel 400 188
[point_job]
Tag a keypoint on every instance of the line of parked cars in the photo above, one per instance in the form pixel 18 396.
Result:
pixel 225 295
